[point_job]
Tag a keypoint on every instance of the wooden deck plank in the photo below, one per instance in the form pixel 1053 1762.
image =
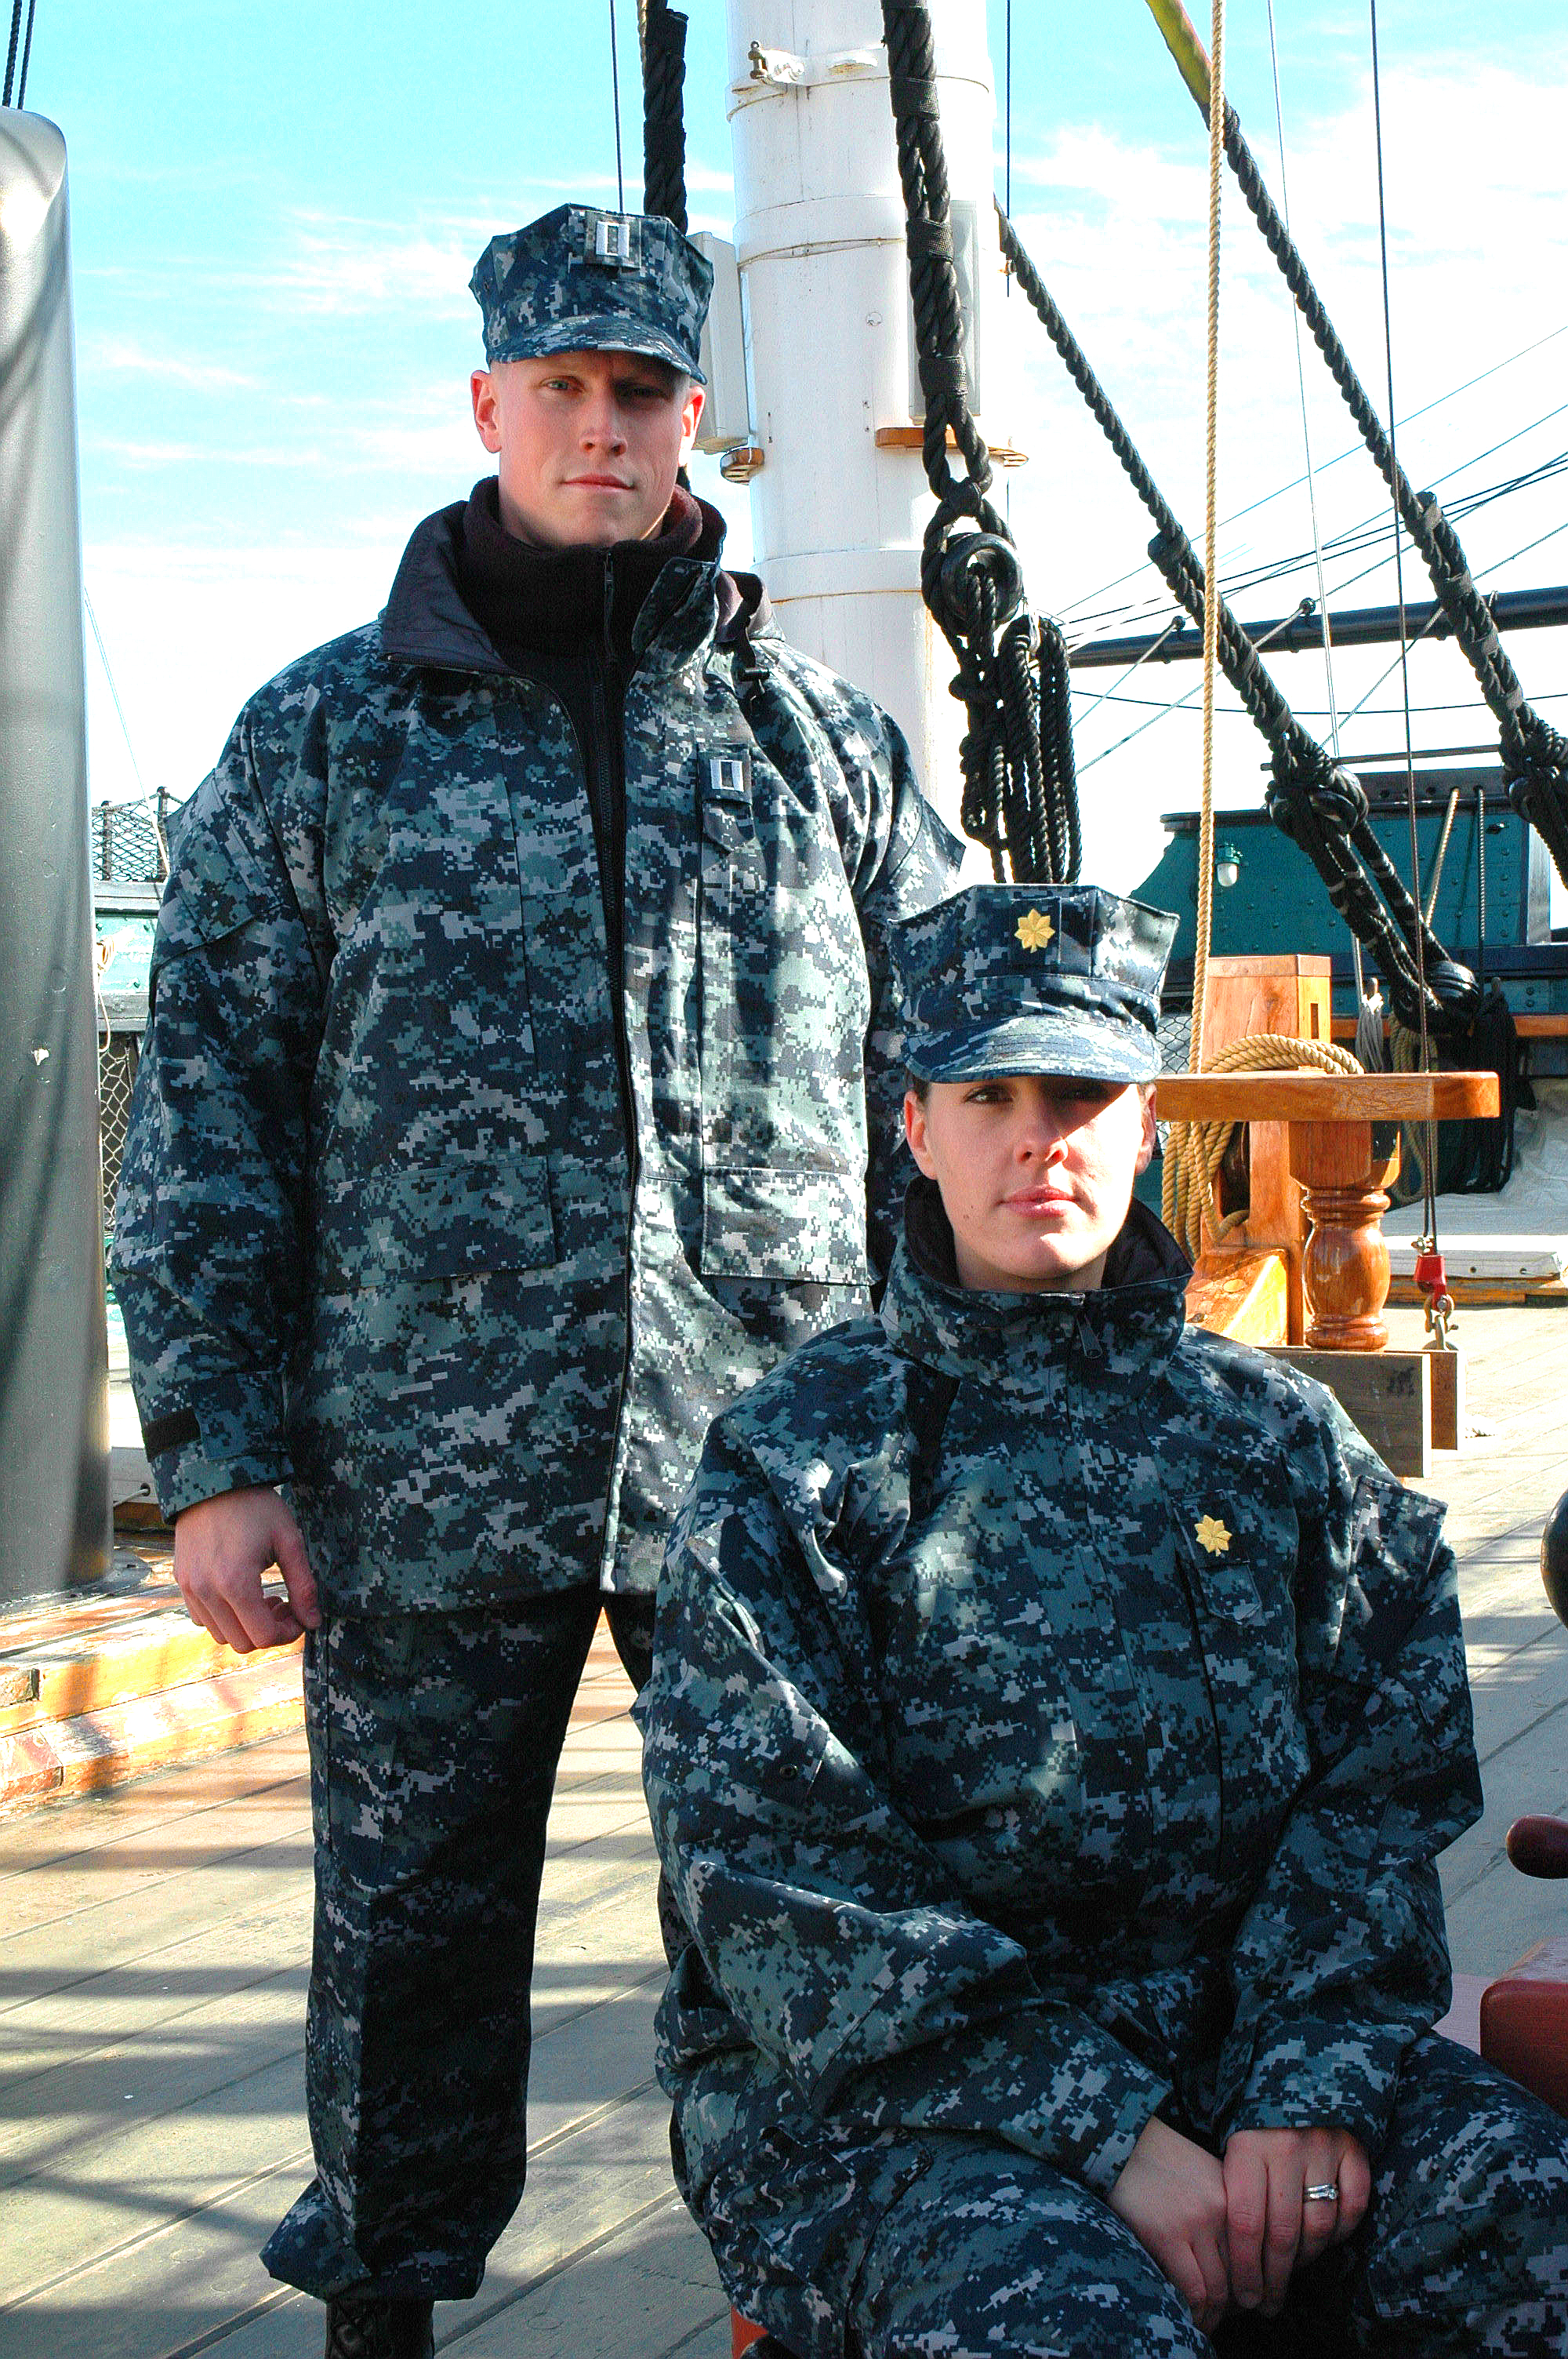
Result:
pixel 121 1915
pixel 1499 1491
pixel 45 1840
pixel 590 2071
pixel 587 2179
pixel 652 2290
pixel 99 1908
pixel 589 1950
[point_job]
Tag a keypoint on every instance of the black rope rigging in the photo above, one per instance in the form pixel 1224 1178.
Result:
pixel 27 54
pixel 1534 753
pixel 11 52
pixel 1020 796
pixel 1319 805
pixel 664 116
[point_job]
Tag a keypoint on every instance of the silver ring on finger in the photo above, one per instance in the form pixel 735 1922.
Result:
pixel 1329 2192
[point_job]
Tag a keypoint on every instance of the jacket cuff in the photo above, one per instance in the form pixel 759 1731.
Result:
pixel 1063 2091
pixel 229 1437
pixel 1093 2138
pixel 1332 2075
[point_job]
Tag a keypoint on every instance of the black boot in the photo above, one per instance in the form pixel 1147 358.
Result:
pixel 373 2326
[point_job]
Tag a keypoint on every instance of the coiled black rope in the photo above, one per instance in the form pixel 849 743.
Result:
pixel 1019 789
pixel 663 114
pixel 1318 805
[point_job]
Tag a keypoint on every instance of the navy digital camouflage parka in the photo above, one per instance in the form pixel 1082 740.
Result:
pixel 1056 1712
pixel 381 1233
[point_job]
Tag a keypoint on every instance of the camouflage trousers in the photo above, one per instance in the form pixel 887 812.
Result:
pixel 434 1740
pixel 986 2254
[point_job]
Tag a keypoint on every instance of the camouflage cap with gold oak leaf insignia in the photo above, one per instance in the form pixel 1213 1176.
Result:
pixel 1033 978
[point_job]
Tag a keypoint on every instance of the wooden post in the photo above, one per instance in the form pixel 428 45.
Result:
pixel 1345 1169
pixel 1341 1146
pixel 1285 993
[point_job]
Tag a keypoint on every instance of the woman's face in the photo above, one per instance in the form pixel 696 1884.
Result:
pixel 1035 1173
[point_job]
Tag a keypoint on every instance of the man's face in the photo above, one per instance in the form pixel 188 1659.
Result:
pixel 589 444
pixel 1035 1174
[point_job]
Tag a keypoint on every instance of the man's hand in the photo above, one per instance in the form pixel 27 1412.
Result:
pixel 1171 2195
pixel 1271 2230
pixel 221 1547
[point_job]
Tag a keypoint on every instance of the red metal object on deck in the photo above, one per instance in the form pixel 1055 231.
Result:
pixel 1430 1272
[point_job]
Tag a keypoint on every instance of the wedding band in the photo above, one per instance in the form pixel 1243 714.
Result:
pixel 1327 2194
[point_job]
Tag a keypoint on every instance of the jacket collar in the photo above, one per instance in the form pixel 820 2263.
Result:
pixel 692 606
pixel 1025 1343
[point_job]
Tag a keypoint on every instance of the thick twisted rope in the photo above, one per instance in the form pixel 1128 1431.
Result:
pixel 1020 788
pixel 1195 1150
pixel 662 32
pixel 1535 755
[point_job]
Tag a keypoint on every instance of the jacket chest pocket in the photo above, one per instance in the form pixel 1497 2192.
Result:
pixel 784 1001
pixel 405 1225
pixel 433 1031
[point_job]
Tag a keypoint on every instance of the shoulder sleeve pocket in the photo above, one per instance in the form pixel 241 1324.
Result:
pixel 219 884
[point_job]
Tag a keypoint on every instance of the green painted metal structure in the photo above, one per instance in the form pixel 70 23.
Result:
pixel 1276 902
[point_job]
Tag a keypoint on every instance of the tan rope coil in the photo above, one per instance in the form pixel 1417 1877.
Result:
pixel 1406 1056
pixel 1195 1150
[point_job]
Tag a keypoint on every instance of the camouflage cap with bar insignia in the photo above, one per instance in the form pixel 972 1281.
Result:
pixel 1033 978
pixel 580 280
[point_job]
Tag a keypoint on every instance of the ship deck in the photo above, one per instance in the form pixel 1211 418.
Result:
pixel 155 1945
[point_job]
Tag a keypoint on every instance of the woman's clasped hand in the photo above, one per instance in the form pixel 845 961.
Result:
pixel 1231 2235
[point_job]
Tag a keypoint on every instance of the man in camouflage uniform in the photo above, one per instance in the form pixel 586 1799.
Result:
pixel 1056 1714
pixel 522 1079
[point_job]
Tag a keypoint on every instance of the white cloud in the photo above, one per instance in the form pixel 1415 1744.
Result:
pixel 118 357
pixel 343 266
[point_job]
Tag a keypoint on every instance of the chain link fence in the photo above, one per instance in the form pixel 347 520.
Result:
pixel 1174 1039
pixel 130 840
pixel 130 846
pixel 118 1058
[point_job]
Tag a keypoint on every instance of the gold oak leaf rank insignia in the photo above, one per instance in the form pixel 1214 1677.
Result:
pixel 1212 1534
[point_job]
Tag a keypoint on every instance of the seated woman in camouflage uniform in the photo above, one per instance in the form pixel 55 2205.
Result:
pixel 1056 1715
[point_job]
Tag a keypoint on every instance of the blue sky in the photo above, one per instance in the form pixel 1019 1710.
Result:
pixel 274 211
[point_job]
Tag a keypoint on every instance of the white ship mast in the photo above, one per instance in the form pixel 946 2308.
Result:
pixel 838 495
